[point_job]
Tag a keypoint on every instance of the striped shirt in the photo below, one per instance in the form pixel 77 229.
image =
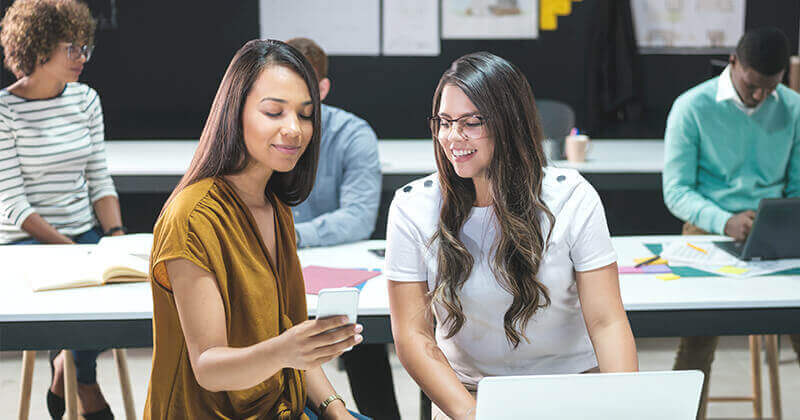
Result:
pixel 52 161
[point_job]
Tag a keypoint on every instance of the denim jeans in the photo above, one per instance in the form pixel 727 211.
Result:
pixel 313 416
pixel 85 360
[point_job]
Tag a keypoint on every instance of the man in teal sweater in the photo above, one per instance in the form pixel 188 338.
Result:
pixel 730 142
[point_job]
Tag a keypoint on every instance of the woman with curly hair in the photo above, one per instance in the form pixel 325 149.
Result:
pixel 511 261
pixel 55 187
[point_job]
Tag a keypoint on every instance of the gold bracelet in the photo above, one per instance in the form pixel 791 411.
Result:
pixel 328 401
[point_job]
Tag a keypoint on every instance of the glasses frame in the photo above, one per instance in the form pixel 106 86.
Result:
pixel 85 50
pixel 459 123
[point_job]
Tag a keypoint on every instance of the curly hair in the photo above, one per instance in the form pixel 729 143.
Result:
pixel 31 29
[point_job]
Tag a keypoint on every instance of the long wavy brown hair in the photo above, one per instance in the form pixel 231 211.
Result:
pixel 504 98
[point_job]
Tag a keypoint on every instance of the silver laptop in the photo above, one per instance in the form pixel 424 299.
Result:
pixel 669 395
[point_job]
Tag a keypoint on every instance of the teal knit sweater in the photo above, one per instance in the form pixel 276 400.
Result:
pixel 718 161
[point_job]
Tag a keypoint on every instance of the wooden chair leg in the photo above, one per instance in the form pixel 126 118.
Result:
pixel 28 360
pixel 70 387
pixel 121 359
pixel 755 361
pixel 771 347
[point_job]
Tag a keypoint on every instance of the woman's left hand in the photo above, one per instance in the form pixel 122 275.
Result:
pixel 337 411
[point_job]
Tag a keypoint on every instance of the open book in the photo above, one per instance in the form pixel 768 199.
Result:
pixel 115 259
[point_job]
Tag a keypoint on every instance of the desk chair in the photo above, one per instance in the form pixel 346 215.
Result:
pixel 558 119
pixel 771 349
pixel 71 384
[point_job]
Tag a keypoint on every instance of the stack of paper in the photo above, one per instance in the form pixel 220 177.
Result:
pixel 707 257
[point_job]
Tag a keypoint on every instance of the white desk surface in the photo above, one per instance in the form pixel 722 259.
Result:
pixel 640 292
pixel 18 302
pixel 172 157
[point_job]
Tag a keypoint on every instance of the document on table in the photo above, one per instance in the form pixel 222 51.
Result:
pixel 715 260
pixel 681 253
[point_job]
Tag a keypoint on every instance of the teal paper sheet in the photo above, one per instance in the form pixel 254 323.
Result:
pixel 693 272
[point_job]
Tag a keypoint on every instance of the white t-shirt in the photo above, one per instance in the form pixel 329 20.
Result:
pixel 580 241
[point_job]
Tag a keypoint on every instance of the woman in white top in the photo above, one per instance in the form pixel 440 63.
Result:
pixel 513 260
pixel 54 182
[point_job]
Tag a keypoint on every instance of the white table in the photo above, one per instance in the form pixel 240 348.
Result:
pixel 119 316
pixel 148 166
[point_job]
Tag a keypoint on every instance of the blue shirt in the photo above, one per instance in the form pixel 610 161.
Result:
pixel 719 160
pixel 343 205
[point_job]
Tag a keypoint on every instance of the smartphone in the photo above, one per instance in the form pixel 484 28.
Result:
pixel 338 301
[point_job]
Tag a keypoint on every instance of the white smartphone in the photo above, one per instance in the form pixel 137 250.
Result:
pixel 338 301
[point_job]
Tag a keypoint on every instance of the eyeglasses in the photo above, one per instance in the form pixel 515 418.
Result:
pixel 469 127
pixel 75 52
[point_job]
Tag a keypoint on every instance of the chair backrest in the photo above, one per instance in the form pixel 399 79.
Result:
pixel 558 119
pixel 670 395
pixel 716 66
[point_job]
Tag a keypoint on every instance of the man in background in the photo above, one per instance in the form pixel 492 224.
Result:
pixel 342 208
pixel 730 142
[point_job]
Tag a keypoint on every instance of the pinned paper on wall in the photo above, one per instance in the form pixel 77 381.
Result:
pixel 411 27
pixel 490 19
pixel 341 27
pixel 688 24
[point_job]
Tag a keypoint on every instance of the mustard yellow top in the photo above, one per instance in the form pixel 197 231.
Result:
pixel 209 225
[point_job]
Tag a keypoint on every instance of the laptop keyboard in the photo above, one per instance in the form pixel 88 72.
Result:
pixel 731 247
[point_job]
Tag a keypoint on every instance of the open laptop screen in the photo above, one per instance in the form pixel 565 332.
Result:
pixel 670 395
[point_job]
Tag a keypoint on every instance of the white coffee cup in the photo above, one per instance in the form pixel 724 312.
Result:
pixel 576 147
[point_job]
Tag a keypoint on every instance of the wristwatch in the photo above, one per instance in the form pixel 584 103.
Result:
pixel 115 229
pixel 328 401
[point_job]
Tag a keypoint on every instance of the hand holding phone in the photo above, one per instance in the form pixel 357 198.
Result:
pixel 338 301
pixel 316 341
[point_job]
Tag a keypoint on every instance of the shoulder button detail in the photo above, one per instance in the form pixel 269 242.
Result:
pixel 407 188
pixel 428 183
pixel 561 178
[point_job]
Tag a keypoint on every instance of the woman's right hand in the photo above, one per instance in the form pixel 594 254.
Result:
pixel 311 343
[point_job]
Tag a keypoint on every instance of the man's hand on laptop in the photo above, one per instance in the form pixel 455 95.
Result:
pixel 739 225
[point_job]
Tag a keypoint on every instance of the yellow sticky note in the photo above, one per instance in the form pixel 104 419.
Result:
pixel 668 277
pixel 561 7
pixel 659 261
pixel 548 22
pixel 729 269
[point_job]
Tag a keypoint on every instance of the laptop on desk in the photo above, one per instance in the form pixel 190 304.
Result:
pixel 775 233
pixel 670 395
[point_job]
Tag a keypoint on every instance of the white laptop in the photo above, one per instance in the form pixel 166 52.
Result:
pixel 669 395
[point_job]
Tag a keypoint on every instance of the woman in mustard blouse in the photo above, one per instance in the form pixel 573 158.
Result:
pixel 232 339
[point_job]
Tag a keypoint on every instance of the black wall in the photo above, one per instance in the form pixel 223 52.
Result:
pixel 158 70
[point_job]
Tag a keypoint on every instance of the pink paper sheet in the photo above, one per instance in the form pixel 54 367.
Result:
pixel 318 277
pixel 645 269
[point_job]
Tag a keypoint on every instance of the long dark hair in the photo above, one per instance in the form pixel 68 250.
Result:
pixel 222 151
pixel 504 98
